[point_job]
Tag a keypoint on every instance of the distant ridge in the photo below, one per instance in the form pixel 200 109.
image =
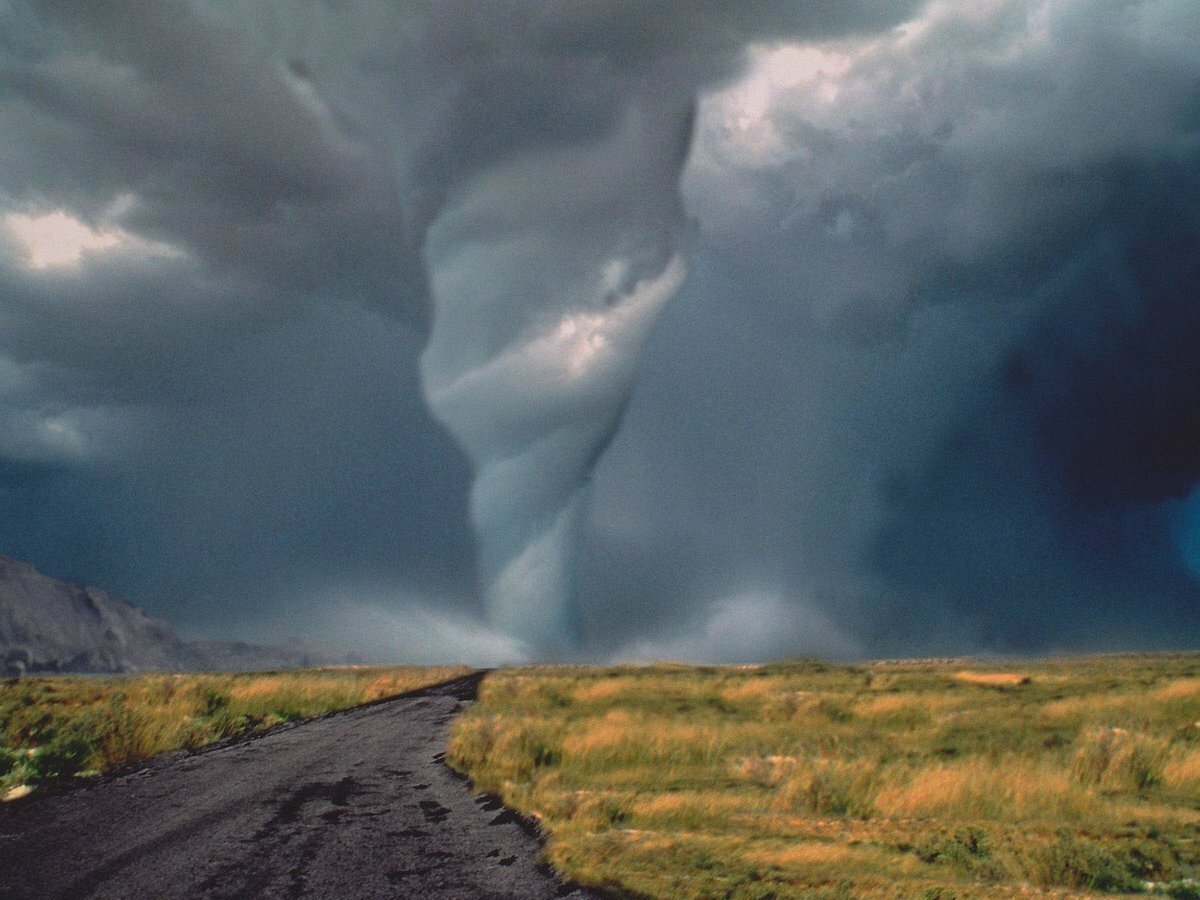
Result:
pixel 50 625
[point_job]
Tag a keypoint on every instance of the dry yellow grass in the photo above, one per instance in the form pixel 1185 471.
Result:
pixel 598 692
pixel 1063 778
pixel 916 706
pixel 602 734
pixel 992 679
pixel 1179 689
pixel 1013 789
pixel 798 855
pixel 685 804
pixel 1181 771
pixel 61 726
pixel 755 690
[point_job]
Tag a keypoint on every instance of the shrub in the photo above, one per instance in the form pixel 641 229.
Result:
pixel 1083 865
pixel 70 752
pixel 966 849
pixel 213 702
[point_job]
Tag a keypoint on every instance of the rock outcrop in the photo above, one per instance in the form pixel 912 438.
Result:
pixel 50 625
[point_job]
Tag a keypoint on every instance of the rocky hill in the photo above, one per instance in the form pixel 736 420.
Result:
pixel 49 625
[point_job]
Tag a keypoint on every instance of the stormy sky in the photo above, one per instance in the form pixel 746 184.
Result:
pixel 603 329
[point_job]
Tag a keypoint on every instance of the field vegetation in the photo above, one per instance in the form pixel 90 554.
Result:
pixel 61 726
pixel 905 779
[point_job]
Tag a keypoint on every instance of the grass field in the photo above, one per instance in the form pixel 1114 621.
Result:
pixel 60 726
pixel 907 779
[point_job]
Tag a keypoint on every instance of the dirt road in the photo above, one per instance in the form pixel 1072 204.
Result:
pixel 356 804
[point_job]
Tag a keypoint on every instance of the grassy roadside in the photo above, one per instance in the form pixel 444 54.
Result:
pixel 55 727
pixel 934 780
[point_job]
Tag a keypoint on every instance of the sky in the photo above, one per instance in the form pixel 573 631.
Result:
pixel 607 330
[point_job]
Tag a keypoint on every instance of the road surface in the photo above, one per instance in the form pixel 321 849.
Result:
pixel 355 804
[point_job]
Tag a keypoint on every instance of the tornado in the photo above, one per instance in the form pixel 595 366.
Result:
pixel 547 273
pixel 534 416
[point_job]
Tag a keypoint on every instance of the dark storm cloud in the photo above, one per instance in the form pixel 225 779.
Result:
pixel 229 423
pixel 930 386
pixel 955 273
pixel 265 202
pixel 1117 399
pixel 1043 518
pixel 1059 487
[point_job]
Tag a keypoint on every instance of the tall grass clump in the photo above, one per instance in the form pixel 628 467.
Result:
pixel 1119 760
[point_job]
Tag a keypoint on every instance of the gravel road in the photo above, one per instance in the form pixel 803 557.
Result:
pixel 355 804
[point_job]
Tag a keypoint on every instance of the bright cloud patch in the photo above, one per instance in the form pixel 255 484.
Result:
pixel 59 240
pixel 379 627
pixel 751 627
pixel 36 435
pixel 740 120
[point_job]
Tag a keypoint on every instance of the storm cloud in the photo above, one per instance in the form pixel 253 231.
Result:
pixel 962 258
pixel 929 385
